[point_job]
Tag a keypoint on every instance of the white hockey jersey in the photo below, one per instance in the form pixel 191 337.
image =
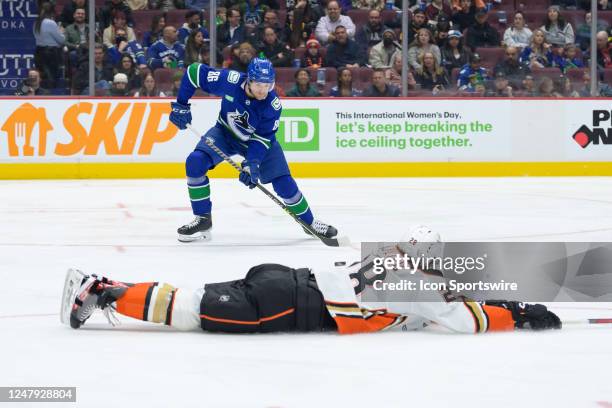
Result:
pixel 344 290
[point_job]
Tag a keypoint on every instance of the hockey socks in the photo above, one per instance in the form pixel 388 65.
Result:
pixel 151 302
pixel 199 194
pixel 287 189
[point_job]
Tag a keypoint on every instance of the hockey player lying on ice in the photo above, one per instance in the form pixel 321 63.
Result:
pixel 274 298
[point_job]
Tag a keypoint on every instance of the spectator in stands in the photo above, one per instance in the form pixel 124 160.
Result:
pixel 472 74
pixel 221 16
pixel 481 34
pixel 421 44
pixel 167 52
pixel 529 87
pixel 458 4
pixel 119 86
pixel 193 47
pixel 563 88
pixel 546 87
pixel 49 37
pixel 465 16
pixel 122 46
pixel 103 71
pixel 252 14
pixel 377 5
pixel 394 74
pixel 372 32
pixel 380 88
pixel 604 50
pixel 303 87
pixel 270 19
pixel 312 57
pixel 232 31
pixel 567 58
pixel 326 27
pixel 157 27
pixel 583 31
pixel 501 87
pixel 344 51
pixel 246 52
pixel 149 88
pixel 77 34
pixel 519 35
pixel 345 84
pixel 199 5
pixel 437 7
pixel 277 52
pixel 126 66
pixel 558 32
pixel 138 4
pixel 192 23
pixel 113 8
pixel 110 32
pixel 454 53
pixel 31 85
pixel 538 54
pixel 513 70
pixel 67 16
pixel 381 55
pixel 442 29
pixel 306 14
pixel 417 22
pixel 166 5
pixel 431 76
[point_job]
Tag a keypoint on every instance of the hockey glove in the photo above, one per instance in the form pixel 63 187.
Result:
pixel 529 316
pixel 180 115
pixel 249 176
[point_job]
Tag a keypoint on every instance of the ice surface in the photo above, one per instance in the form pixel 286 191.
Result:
pixel 126 230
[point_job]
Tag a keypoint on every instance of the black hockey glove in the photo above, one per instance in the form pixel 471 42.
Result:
pixel 529 316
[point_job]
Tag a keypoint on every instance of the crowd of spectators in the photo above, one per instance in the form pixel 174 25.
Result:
pixel 500 48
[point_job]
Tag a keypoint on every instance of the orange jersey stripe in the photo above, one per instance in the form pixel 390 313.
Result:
pixel 352 325
pixel 132 303
pixel 263 319
pixel 500 319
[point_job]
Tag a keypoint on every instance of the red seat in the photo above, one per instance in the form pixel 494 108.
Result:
pixel 285 75
pixel 552 73
pixel 535 18
pixel 163 78
pixel 528 5
pixel 359 17
pixel 608 76
pixel 575 74
pixel 491 56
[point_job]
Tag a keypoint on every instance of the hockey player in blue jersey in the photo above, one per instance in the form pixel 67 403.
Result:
pixel 249 118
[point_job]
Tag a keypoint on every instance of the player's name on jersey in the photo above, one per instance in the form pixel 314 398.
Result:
pixel 452 285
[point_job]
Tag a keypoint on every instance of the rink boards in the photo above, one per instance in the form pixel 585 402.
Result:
pixel 323 137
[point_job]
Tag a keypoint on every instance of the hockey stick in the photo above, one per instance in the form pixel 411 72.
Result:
pixel 586 322
pixel 334 242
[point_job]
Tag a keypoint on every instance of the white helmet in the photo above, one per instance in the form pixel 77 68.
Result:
pixel 421 241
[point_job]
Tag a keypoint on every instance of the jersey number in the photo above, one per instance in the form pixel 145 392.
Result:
pixel 213 76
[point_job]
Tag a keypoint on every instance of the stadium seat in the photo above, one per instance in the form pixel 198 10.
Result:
pixel 163 78
pixel 285 75
pixel 365 76
pixel 491 56
pixel 575 75
pixel 359 17
pixel 535 18
pixel 282 17
pixel 552 73
pixel 330 75
pixel 529 5
pixel 608 76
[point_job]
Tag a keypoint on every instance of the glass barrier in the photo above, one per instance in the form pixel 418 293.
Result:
pixel 347 48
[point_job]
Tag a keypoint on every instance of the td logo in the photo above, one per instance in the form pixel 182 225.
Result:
pixel 299 130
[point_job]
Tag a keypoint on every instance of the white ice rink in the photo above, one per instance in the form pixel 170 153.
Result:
pixel 126 230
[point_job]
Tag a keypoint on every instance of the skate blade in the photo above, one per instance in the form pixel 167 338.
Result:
pixel 198 236
pixel 74 277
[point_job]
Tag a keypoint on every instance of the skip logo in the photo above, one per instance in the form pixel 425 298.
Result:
pixel 298 130
pixel 601 131
pixel 26 130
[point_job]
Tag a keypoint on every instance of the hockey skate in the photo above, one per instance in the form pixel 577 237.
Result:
pixel 83 294
pixel 198 229
pixel 322 229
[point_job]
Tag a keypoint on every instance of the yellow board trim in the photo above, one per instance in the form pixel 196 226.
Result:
pixel 17 171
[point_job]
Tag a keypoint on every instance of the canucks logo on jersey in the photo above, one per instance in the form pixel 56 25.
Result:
pixel 239 123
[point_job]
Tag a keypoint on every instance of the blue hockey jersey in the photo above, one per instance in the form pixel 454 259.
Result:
pixel 159 51
pixel 250 122
pixel 134 49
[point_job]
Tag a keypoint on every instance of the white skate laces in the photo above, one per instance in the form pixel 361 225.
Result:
pixel 320 227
